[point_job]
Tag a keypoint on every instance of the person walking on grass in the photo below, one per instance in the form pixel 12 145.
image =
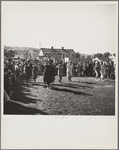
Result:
pixel 97 69
pixel 35 71
pixel 69 70
pixel 60 70
pixel 102 70
pixel 28 71
pixel 48 73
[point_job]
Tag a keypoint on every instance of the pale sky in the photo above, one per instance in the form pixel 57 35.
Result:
pixel 88 27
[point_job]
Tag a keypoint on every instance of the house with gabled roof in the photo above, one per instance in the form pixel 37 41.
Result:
pixel 59 54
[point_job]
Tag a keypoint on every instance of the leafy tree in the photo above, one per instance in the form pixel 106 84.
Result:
pixel 9 53
pixel 82 56
pixel 77 55
pixel 98 55
pixel 26 55
pixel 89 57
pixel 107 54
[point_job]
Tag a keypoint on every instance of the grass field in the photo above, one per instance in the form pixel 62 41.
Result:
pixel 81 96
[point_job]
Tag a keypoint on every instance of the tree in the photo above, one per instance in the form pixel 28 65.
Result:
pixel 77 55
pixel 89 57
pixel 9 53
pixel 107 54
pixel 82 56
pixel 26 55
pixel 98 55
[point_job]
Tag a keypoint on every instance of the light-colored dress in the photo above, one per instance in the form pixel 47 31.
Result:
pixel 69 70
pixel 60 70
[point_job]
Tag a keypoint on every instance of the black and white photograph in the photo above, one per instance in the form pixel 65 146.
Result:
pixel 59 58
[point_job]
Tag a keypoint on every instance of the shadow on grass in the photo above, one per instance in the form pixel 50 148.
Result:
pixel 38 84
pixel 67 90
pixel 11 107
pixel 62 85
pixel 65 85
pixel 89 82
pixel 20 96
pixel 78 85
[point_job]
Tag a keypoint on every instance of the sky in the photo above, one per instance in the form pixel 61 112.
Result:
pixel 86 27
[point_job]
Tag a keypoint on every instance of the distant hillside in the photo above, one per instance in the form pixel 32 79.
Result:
pixel 19 48
pixel 21 52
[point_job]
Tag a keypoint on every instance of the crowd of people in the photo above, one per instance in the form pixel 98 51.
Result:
pixel 17 70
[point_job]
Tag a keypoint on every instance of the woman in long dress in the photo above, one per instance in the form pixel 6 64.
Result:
pixel 48 73
pixel 102 70
pixel 79 69
pixel 28 71
pixel 97 69
pixel 35 71
pixel 69 70
pixel 60 70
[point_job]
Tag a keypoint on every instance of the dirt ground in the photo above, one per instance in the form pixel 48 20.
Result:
pixel 81 96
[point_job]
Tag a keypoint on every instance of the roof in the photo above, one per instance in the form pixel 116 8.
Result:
pixel 61 51
pixel 57 51
pixel 49 51
pixel 71 51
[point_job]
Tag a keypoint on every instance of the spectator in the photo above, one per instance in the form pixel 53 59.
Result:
pixel 84 69
pixel 79 69
pixel 112 70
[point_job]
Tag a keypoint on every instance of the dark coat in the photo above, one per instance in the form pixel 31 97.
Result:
pixel 48 74
pixel 35 70
pixel 28 72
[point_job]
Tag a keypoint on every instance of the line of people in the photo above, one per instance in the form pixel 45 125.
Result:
pixel 99 70
pixel 104 70
pixel 15 72
pixel 51 70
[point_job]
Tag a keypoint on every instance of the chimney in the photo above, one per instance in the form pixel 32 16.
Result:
pixel 62 47
pixel 51 47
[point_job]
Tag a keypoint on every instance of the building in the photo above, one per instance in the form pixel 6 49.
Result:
pixel 59 54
